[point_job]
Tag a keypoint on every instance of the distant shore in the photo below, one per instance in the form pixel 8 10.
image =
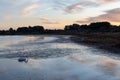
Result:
pixel 106 41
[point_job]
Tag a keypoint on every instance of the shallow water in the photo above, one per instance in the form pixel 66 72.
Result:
pixel 54 58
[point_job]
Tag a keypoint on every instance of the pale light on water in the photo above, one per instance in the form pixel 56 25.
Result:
pixel 55 58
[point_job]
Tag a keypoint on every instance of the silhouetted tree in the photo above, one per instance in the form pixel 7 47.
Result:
pixel 11 31
pixel 30 30
pixel 2 32
pixel 72 27
pixel 38 29
pixel 22 30
pixel 67 27
pixel 93 27
pixel 100 26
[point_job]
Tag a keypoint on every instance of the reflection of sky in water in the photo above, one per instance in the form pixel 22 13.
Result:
pixel 80 63
pixel 73 67
pixel 8 40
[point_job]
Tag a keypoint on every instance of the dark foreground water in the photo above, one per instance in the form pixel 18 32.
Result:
pixel 54 58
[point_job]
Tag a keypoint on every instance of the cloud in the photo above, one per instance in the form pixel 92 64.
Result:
pixel 17 3
pixel 19 8
pixel 77 58
pixel 108 1
pixel 80 5
pixel 47 21
pixel 28 10
pixel 103 1
pixel 111 15
pixel 73 7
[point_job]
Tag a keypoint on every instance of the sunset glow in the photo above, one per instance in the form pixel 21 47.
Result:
pixel 55 14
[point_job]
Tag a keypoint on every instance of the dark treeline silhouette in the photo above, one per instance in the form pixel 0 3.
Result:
pixel 31 30
pixel 93 27
pixel 69 29
pixel 23 30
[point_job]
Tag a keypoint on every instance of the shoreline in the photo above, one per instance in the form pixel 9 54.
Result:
pixel 107 41
pixel 98 45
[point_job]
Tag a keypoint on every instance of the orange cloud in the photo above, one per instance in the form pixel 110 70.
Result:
pixel 111 15
pixel 28 10
pixel 47 21
pixel 107 1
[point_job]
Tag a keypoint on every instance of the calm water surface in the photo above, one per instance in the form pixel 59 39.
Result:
pixel 54 58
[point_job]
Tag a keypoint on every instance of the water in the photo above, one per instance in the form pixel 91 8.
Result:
pixel 54 58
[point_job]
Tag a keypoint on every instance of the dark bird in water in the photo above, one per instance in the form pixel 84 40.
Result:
pixel 23 59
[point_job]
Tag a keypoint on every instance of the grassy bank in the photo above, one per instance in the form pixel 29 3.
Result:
pixel 107 41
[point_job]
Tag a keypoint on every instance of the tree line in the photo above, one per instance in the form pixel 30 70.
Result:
pixel 93 27
pixel 23 30
pixel 68 29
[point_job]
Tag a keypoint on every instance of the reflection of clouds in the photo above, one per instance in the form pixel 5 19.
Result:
pixel 83 64
pixel 109 66
pixel 109 63
pixel 118 76
pixel 59 69
pixel 90 60
pixel 104 65
pixel 77 58
pixel 3 70
pixel 35 64
pixel 14 40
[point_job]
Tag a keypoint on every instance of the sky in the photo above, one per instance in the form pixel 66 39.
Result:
pixel 55 14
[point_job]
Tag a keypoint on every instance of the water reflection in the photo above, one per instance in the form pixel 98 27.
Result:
pixel 55 58
pixel 55 69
